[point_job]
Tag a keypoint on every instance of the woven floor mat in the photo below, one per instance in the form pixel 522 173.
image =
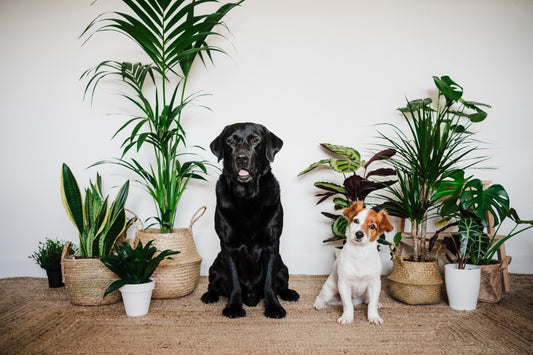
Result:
pixel 37 319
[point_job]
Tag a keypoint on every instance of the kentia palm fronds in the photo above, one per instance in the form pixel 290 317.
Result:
pixel 172 34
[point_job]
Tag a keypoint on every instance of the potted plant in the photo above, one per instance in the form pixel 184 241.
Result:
pixel 134 267
pixel 437 140
pixel 99 226
pixel 478 212
pixel 48 257
pixel 360 182
pixel 172 34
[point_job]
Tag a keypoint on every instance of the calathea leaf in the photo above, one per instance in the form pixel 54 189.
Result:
pixel 345 152
pixel 344 166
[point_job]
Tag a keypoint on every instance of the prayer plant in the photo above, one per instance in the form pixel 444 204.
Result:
pixel 172 34
pixel 359 181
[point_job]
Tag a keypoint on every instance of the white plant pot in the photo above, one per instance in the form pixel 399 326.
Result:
pixel 137 297
pixel 462 286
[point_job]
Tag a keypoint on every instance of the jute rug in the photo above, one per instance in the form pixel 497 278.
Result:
pixel 37 319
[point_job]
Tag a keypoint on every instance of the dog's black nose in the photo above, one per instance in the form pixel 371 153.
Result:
pixel 359 235
pixel 242 159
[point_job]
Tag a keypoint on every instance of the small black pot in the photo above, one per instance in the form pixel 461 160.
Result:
pixel 54 279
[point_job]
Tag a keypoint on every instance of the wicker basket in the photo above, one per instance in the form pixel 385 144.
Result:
pixel 86 280
pixel 415 282
pixel 177 277
pixel 491 288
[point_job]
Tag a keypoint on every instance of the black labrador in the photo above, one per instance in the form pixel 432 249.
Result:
pixel 248 221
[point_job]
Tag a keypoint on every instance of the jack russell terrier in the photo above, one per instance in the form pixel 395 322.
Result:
pixel 356 275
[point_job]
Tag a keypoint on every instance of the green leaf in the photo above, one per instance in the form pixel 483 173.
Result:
pixel 345 152
pixel 314 165
pixel 493 199
pixel 341 202
pixel 339 227
pixel 450 89
pixel 344 166
pixel 71 197
pixel 329 186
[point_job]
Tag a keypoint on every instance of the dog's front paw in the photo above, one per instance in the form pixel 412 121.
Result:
pixel 319 304
pixel 210 297
pixel 234 311
pixel 275 311
pixel 289 295
pixel 375 320
pixel 345 319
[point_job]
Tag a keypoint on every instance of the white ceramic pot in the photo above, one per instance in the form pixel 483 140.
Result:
pixel 462 286
pixel 137 297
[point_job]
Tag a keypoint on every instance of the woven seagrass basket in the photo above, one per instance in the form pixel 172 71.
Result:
pixel 86 280
pixel 491 288
pixel 415 282
pixel 177 277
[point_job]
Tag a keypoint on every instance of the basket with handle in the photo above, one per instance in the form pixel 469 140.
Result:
pixel 178 276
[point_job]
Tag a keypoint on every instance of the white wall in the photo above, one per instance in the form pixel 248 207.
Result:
pixel 310 71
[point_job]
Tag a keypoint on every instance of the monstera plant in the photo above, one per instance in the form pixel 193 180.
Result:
pixel 359 181
pixel 467 205
pixel 171 34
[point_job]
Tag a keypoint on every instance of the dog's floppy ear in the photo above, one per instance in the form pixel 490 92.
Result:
pixel 217 145
pixel 353 210
pixel 385 224
pixel 273 144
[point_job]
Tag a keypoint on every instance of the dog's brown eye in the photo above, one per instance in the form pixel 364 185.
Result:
pixel 356 221
pixel 230 141
pixel 372 226
pixel 254 139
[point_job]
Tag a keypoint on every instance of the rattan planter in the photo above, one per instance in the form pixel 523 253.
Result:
pixel 177 277
pixel 86 280
pixel 415 282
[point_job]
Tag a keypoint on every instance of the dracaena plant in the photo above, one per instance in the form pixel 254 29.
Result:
pixel 359 181
pixel 467 204
pixel 436 141
pixel 99 224
pixel 134 265
pixel 172 34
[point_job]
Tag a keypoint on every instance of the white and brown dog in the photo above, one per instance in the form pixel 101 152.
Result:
pixel 356 275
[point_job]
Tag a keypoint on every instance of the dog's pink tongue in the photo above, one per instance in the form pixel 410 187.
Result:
pixel 243 172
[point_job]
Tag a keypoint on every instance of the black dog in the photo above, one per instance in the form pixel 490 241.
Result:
pixel 248 221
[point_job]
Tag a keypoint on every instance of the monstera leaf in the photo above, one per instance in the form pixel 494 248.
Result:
pixel 493 199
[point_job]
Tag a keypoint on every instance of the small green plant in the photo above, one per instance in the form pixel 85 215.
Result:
pixel 99 227
pixel 134 266
pixel 356 186
pixel 48 254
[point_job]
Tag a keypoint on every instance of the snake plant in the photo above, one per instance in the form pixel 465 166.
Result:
pixel 172 34
pixel 134 266
pixel 99 226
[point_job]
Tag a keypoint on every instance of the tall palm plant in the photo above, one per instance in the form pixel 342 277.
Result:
pixel 172 34
pixel 437 141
